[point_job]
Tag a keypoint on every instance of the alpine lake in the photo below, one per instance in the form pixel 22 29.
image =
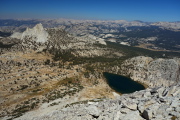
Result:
pixel 122 84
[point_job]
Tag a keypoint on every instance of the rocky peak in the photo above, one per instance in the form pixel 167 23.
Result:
pixel 37 34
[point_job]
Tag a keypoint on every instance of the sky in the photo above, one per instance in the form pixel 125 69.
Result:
pixel 145 10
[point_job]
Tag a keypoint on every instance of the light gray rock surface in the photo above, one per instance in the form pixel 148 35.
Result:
pixel 125 107
pixel 153 72
pixel 37 34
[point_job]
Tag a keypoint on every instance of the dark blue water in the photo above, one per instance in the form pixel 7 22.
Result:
pixel 122 84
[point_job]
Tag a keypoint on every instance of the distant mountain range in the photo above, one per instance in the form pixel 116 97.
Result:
pixel 56 22
pixel 163 36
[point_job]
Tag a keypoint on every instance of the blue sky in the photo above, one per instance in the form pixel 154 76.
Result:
pixel 145 10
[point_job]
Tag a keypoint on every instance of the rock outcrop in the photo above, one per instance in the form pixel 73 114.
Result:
pixel 35 38
pixel 153 72
pixel 56 40
pixel 37 34
pixel 160 103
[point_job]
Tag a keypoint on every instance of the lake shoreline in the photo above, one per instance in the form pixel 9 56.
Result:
pixel 122 84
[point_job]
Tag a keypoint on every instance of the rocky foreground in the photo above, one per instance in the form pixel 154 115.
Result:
pixel 161 103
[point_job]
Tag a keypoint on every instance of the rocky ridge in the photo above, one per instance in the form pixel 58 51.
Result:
pixel 56 39
pixel 168 25
pixel 160 103
pixel 153 72
pixel 37 34
pixel 136 33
